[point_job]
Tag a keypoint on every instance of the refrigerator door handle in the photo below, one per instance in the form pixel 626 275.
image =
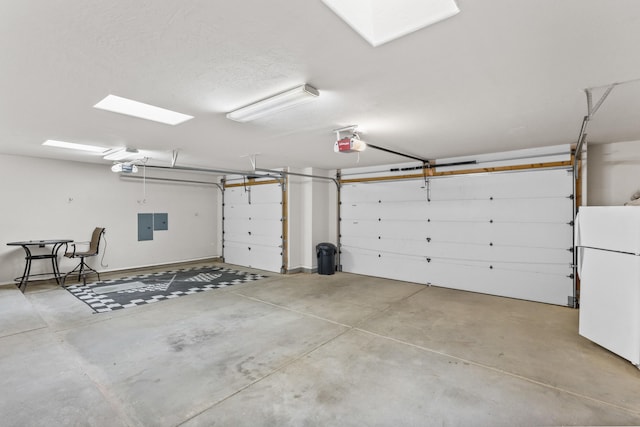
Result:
pixel 577 240
pixel 580 255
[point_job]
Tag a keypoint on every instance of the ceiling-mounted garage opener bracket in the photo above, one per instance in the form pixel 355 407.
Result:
pixel 591 111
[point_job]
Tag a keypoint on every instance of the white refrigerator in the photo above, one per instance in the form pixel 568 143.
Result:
pixel 608 245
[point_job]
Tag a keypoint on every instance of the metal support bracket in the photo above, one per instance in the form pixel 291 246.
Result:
pixel 592 109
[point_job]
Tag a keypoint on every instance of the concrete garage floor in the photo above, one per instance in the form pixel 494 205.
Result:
pixel 306 350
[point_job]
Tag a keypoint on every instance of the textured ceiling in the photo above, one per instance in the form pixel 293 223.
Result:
pixel 498 76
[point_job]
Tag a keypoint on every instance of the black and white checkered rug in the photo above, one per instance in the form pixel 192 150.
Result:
pixel 144 289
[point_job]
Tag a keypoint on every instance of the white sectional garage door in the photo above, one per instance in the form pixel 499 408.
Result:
pixel 253 226
pixel 505 234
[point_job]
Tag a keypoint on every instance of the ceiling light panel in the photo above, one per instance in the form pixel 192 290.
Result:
pixel 74 146
pixel 381 21
pixel 275 103
pixel 129 107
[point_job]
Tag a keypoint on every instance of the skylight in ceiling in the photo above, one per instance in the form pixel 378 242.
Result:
pixel 74 146
pixel 129 107
pixel 380 21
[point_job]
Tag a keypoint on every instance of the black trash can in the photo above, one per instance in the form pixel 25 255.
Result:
pixel 326 253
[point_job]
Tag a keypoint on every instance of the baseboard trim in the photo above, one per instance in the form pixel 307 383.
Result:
pixel 174 264
pixel 302 270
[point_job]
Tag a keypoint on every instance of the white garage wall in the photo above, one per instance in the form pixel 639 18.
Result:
pixel 299 207
pixel 47 199
pixel 325 213
pixel 613 174
pixel 312 217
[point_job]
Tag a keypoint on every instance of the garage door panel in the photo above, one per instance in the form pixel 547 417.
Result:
pixel 266 194
pixel 473 232
pixel 386 245
pixel 259 239
pixel 530 184
pixel 375 229
pixel 390 191
pixel 360 227
pixel 266 258
pixel 267 240
pixel 390 267
pixel 236 253
pixel 239 226
pixel 252 211
pixel 254 256
pixel 549 287
pixel 544 235
pixel 546 210
pixel 502 234
pixel 253 226
pixel 386 211
pixel 459 210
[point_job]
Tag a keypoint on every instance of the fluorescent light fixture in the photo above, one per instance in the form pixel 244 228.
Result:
pixel 122 153
pixel 380 21
pixel 74 146
pixel 129 107
pixel 275 103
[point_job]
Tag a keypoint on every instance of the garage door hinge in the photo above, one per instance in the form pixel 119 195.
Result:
pixel 571 223
pixel 572 302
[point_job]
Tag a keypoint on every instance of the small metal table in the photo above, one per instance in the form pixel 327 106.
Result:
pixel 55 244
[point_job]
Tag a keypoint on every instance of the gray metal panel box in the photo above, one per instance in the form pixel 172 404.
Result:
pixel 160 221
pixel 145 226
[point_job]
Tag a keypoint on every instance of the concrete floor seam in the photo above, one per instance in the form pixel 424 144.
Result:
pixel 384 310
pixel 283 366
pixel 291 310
pixel 390 306
pixel 96 317
pixel 276 370
pixel 239 293
pixel 114 401
pixel 24 332
pixel 500 371
pixel 357 328
pixel 480 365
